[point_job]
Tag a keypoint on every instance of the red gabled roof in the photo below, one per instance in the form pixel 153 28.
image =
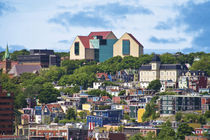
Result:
pixel 51 106
pixel 85 41
pixel 104 34
pixel 135 39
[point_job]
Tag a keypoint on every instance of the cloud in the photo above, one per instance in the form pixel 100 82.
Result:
pixel 1 49
pixel 64 41
pixel 165 41
pixel 85 19
pixel 158 24
pixel 160 51
pixel 5 7
pixel 197 18
pixel 120 10
pixel 164 26
pixel 13 48
pixel 98 16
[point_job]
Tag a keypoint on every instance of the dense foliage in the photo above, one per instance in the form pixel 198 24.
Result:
pixel 154 85
pixel 81 74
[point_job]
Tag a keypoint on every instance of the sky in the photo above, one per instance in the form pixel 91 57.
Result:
pixel 159 25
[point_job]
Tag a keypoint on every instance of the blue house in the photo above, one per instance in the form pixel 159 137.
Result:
pixel 102 117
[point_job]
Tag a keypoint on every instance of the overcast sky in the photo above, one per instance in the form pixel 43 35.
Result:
pixel 160 25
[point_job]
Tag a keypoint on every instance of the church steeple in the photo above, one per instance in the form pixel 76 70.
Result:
pixel 6 54
pixel 6 61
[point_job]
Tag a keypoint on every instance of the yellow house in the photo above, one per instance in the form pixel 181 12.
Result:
pixel 86 107
pixel 127 45
pixel 140 114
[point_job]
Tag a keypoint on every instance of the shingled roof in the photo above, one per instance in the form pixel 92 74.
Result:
pixel 85 39
pixel 19 69
pixel 104 34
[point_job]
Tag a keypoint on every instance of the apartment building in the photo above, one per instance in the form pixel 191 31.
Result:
pixel 170 104
pixel 6 112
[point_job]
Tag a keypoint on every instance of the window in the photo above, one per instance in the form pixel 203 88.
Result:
pixel 76 48
pixel 126 47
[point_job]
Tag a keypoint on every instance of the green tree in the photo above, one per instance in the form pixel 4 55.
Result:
pixel 167 132
pixel 56 120
pixel 97 92
pixel 83 114
pixel 184 130
pixel 154 85
pixel 15 54
pixel 126 116
pixel 122 92
pixel 71 114
pixel 203 64
pixel 137 136
pixel 53 74
pixel 48 94
pixel 207 114
pixel 168 58
pixel 178 116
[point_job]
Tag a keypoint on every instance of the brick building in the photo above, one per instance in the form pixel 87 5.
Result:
pixel 6 112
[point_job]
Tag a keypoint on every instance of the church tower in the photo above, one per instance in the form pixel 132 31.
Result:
pixel 155 66
pixel 6 61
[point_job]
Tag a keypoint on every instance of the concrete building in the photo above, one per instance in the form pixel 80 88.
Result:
pixel 155 70
pixel 127 45
pixel 170 104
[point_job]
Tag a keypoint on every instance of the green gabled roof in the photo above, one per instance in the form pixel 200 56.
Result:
pixel 6 54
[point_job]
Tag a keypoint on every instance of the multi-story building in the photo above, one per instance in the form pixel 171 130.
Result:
pixel 96 46
pixel 6 112
pixel 44 58
pixel 58 132
pixel 100 46
pixel 155 70
pixel 130 130
pixel 102 117
pixel 193 80
pixel 205 103
pixel 170 104
pixel 50 112
pixel 128 45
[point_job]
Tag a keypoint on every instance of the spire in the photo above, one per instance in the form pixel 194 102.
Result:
pixel 6 54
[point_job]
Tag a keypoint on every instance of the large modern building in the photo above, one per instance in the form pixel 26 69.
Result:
pixel 6 112
pixel 171 104
pixel 44 58
pixel 128 45
pixel 100 46
pixel 155 70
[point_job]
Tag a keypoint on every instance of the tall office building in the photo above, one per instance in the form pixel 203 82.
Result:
pixel 6 112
